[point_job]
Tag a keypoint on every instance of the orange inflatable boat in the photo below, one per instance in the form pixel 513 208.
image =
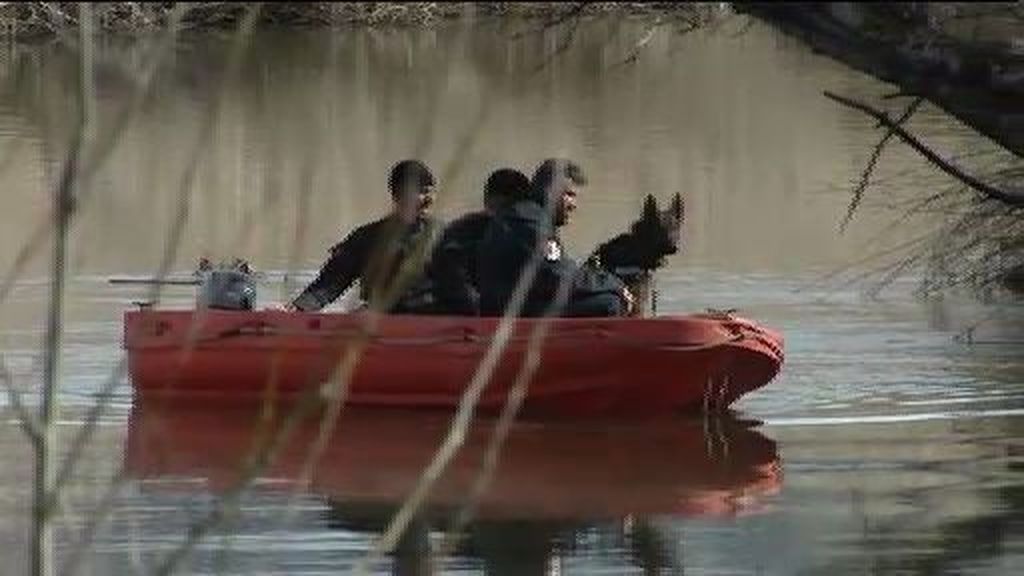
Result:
pixel 591 366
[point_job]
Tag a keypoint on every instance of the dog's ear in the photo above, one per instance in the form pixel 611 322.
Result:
pixel 677 210
pixel 650 212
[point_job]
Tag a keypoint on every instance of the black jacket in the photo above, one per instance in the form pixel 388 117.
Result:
pixel 508 246
pixel 454 266
pixel 374 254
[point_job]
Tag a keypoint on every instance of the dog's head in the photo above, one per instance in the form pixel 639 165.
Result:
pixel 657 232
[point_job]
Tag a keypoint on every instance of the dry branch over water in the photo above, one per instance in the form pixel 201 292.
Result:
pixel 975 77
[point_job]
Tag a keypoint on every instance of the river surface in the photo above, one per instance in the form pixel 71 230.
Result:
pixel 889 443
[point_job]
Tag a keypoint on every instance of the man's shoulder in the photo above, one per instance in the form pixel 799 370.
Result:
pixel 369 229
pixel 465 229
pixel 373 227
pixel 362 234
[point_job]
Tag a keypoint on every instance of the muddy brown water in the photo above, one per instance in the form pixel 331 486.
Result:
pixel 886 445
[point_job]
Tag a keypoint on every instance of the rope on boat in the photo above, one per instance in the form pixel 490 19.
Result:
pixel 464 337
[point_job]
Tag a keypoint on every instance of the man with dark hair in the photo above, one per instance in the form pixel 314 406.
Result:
pixel 554 186
pixel 503 187
pixel 454 264
pixel 519 230
pixel 390 256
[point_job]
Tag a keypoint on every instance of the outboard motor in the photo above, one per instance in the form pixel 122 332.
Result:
pixel 226 288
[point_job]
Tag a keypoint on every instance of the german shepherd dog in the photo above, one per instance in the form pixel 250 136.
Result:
pixel 633 256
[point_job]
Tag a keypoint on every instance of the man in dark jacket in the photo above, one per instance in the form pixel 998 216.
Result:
pixel 527 226
pixel 456 286
pixel 389 256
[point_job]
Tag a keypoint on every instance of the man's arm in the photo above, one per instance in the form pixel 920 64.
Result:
pixel 453 286
pixel 337 274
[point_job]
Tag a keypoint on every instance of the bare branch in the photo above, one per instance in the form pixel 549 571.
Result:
pixel 45 453
pixel 573 14
pixel 463 416
pixel 513 403
pixel 334 390
pixel 99 407
pixel 96 519
pixel 467 405
pixel 28 422
pixel 566 42
pixel 865 177
pixel 742 31
pixel 1012 198
pixel 99 150
pixel 88 428
pixel 648 34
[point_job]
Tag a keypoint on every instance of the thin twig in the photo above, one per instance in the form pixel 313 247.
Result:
pixel 573 13
pixel 87 534
pixel 876 154
pixel 903 246
pixel 647 36
pixel 514 400
pixel 45 453
pixel 742 31
pixel 407 271
pixel 335 390
pixel 28 422
pixel 88 428
pixel 456 435
pixel 1013 198
pixel 563 45
pixel 100 149
pixel 85 433
pixel 170 251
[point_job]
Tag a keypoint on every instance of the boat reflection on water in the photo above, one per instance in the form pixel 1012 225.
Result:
pixel 552 479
